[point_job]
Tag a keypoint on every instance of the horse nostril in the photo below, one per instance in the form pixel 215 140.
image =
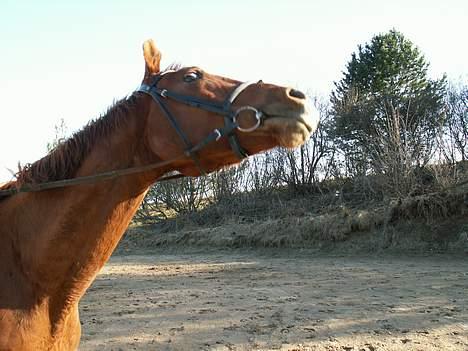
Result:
pixel 297 94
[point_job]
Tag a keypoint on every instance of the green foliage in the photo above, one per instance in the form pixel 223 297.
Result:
pixel 385 104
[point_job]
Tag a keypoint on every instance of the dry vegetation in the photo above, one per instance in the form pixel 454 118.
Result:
pixel 401 192
pixel 435 221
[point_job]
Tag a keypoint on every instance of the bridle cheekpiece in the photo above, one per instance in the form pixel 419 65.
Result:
pixel 224 108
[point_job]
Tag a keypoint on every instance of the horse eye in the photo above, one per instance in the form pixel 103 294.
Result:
pixel 191 77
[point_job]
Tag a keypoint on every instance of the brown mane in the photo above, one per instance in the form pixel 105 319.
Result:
pixel 63 161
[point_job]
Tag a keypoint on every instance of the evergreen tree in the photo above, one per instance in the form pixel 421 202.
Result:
pixel 386 109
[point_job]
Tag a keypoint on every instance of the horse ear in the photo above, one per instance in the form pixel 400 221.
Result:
pixel 152 58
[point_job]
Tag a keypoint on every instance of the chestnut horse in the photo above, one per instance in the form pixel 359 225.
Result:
pixel 54 242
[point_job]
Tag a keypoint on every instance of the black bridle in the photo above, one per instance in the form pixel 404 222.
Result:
pixel 224 108
pixel 159 95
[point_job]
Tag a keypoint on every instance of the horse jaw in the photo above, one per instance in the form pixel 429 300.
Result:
pixel 291 127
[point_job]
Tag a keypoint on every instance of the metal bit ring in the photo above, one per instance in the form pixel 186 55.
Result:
pixel 258 117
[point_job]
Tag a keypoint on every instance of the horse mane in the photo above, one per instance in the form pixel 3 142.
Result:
pixel 175 66
pixel 63 161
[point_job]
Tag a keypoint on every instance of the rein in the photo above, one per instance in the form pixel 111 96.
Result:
pixel 159 95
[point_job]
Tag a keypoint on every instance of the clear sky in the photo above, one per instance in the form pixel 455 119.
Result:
pixel 72 59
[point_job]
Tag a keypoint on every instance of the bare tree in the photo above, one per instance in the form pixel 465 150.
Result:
pixel 166 199
pixel 311 162
pixel 61 133
pixel 262 172
pixel 455 138
pixel 228 182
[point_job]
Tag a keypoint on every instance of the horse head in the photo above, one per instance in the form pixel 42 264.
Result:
pixel 190 104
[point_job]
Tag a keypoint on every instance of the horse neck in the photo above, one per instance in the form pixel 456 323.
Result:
pixel 71 232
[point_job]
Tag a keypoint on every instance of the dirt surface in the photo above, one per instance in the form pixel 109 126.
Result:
pixel 277 300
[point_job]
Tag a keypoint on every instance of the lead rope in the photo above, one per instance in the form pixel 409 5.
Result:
pixel 215 135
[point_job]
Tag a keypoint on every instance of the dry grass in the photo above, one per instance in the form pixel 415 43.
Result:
pixel 285 232
pixel 429 207
pixel 423 223
pixel 326 219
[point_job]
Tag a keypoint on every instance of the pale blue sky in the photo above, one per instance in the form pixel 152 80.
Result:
pixel 70 60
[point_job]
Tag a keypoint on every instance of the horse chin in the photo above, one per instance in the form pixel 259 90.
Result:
pixel 292 127
pixel 208 167
pixel 289 132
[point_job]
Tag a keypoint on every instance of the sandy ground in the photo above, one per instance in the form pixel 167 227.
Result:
pixel 283 300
